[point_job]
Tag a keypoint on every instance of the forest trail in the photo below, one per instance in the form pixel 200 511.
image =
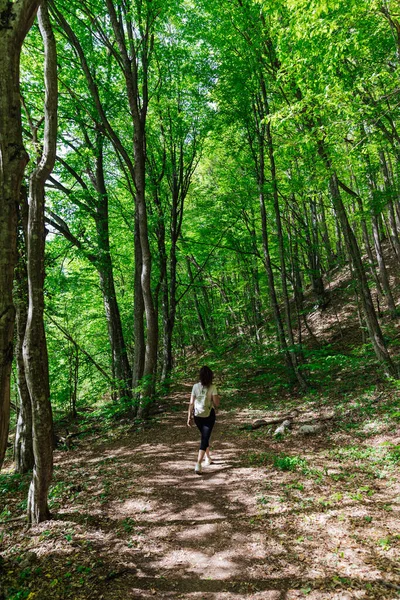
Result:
pixel 189 534
pixel 132 520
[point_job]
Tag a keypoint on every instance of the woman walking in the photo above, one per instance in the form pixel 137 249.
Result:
pixel 204 400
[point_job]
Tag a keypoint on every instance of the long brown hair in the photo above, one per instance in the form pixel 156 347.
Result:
pixel 206 376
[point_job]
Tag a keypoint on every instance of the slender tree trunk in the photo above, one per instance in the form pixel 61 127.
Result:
pixel 121 366
pixel 361 320
pixel 297 284
pixel 16 20
pixel 23 445
pixel 378 247
pixel 313 255
pixel 279 232
pixel 35 348
pixel 382 267
pixel 150 362
pixel 394 234
pixel 170 320
pixel 73 380
pixel 270 275
pixel 138 313
pixel 367 246
pixel 339 243
pixel 374 329
pixel 178 200
pixel 325 234
pixel 202 324
pixel 256 295
pixel 160 231
pixel 318 282
pixel 100 258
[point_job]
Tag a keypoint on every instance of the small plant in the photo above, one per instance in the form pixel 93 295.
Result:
pixel 394 454
pixel 295 486
pixel 5 514
pixel 385 543
pixel 356 496
pixel 128 524
pixel 367 519
pixel 337 497
pixel 284 462
pixel 262 500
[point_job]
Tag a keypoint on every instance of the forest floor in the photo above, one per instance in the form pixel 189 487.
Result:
pixel 314 517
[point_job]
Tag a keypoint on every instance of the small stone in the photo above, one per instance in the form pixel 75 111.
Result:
pixel 309 429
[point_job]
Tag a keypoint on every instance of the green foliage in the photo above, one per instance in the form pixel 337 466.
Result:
pixel 282 462
pixel 316 76
pixel 290 463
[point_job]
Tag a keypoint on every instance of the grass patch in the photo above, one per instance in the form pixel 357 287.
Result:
pixel 281 462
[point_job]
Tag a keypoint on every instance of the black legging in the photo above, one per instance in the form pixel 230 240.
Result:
pixel 205 425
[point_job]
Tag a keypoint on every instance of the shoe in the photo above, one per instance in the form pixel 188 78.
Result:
pixel 208 461
pixel 197 468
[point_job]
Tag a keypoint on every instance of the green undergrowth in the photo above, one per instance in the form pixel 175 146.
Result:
pixel 281 462
pixel 258 374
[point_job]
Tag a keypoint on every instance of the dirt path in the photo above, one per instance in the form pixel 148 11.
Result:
pixel 133 520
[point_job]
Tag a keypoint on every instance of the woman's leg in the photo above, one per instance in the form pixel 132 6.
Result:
pixel 205 426
pixel 200 456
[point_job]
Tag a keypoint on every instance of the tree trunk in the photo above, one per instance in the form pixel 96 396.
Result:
pixel 150 361
pixel 170 321
pixel 135 72
pixel 164 286
pixel 73 380
pixel 382 267
pixel 394 234
pixel 374 329
pixel 16 20
pixel 367 247
pixel 202 324
pixel 377 243
pixel 270 275
pixel 256 295
pixel 325 234
pixel 35 348
pixel 121 367
pixel 138 313
pixel 23 445
pixel 313 255
pixel 279 232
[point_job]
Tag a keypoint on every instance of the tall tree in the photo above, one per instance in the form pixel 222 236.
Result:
pixel 35 347
pixel 16 19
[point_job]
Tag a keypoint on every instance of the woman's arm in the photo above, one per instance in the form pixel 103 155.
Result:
pixel 190 411
pixel 216 400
